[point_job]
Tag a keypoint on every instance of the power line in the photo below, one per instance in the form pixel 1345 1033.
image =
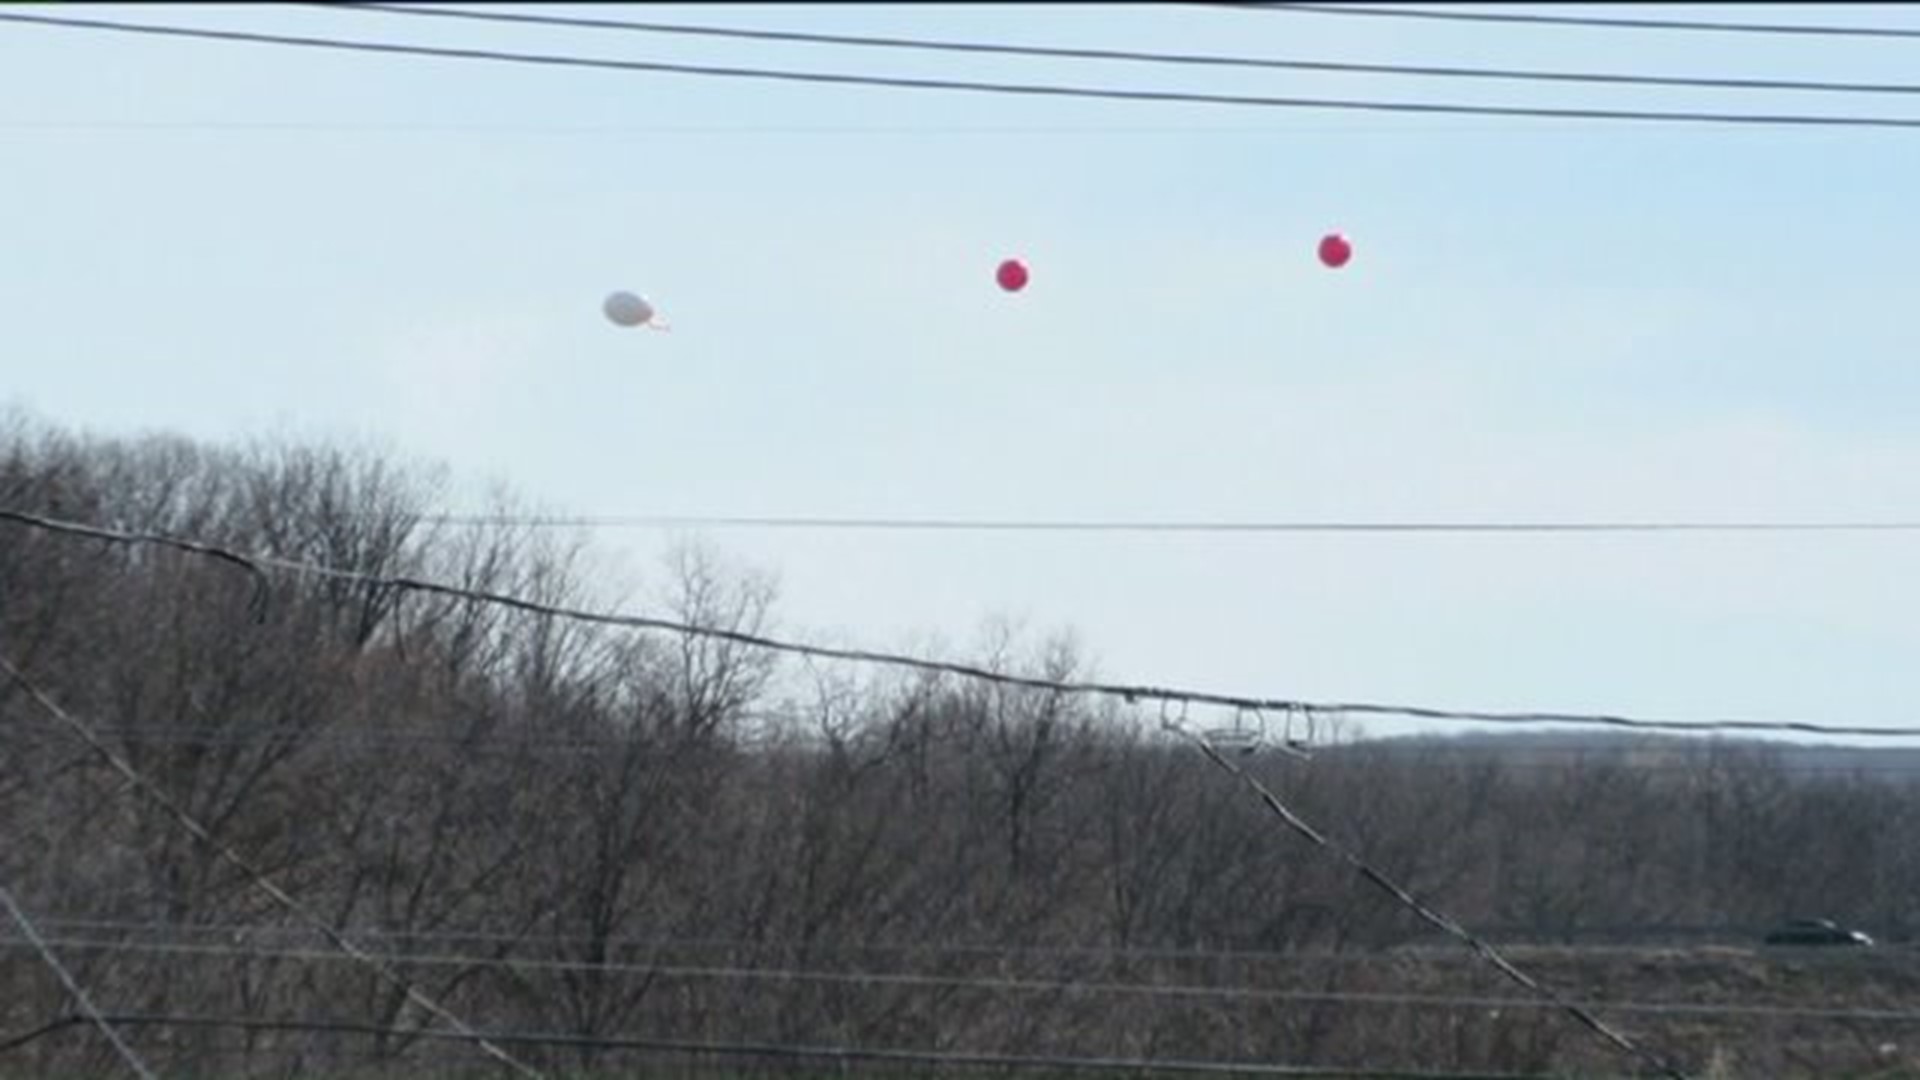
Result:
pixel 792 1052
pixel 1555 760
pixel 1134 56
pixel 1130 694
pixel 1596 22
pixel 1681 754
pixel 14 1042
pixel 1287 816
pixel 240 862
pixel 637 130
pixel 1429 915
pixel 87 1008
pixel 896 979
pixel 1680 751
pixel 1021 89
pixel 650 130
pixel 894 524
pixel 816 947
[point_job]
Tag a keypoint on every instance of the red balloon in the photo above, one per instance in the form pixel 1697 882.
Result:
pixel 1012 275
pixel 1335 250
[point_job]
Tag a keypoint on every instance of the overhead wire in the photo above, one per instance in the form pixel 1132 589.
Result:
pixel 1598 22
pixel 655 129
pixel 1131 694
pixel 88 1010
pixel 977 48
pixel 1429 914
pixel 1286 815
pixel 383 966
pixel 258 878
pixel 1690 756
pixel 1687 753
pixel 1053 90
pixel 999 984
pixel 902 524
pixel 948 1058
pixel 1289 817
pixel 255 934
pixel 1553 761
pixel 33 1034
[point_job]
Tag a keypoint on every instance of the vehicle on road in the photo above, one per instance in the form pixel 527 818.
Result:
pixel 1816 932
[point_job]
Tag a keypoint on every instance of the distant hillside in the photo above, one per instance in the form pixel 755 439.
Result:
pixel 1539 748
pixel 583 829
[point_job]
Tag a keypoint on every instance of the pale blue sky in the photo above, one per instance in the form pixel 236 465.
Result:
pixel 1544 319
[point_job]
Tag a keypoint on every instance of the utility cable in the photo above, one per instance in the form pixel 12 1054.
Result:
pixel 88 1009
pixel 1000 984
pixel 1133 694
pixel 1428 914
pixel 1053 90
pixel 896 524
pixel 977 48
pixel 259 879
pixel 1598 22
pixel 792 1052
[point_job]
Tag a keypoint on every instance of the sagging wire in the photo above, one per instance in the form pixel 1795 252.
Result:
pixel 88 1010
pixel 1130 694
pixel 256 876
pixel 1406 899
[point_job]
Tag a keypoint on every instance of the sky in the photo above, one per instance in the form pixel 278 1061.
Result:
pixel 1544 319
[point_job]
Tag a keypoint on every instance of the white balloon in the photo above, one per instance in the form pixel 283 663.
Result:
pixel 626 309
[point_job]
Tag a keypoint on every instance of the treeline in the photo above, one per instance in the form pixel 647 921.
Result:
pixel 596 832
